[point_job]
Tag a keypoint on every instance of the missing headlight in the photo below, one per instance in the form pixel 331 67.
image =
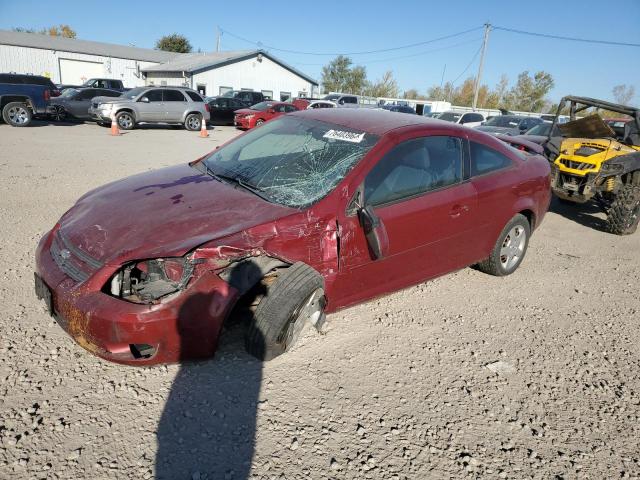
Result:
pixel 147 281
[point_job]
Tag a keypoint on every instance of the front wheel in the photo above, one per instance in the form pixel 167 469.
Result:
pixel 17 114
pixel 125 120
pixel 509 250
pixel 259 122
pixel 295 297
pixel 59 113
pixel 193 122
pixel 624 213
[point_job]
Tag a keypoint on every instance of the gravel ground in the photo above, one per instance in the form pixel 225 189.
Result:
pixel 536 375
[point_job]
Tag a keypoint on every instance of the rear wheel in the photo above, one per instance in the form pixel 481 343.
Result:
pixel 17 114
pixel 125 120
pixel 295 297
pixel 193 122
pixel 510 249
pixel 624 213
pixel 59 113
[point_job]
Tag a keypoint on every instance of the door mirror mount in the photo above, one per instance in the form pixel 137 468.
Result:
pixel 374 231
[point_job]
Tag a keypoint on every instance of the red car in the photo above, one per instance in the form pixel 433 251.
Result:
pixel 259 113
pixel 311 213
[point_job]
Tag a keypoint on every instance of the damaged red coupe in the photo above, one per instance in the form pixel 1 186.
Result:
pixel 309 213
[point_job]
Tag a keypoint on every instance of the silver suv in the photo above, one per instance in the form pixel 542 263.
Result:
pixel 175 105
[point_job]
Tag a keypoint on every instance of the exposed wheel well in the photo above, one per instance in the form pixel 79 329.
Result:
pixel 530 216
pixel 128 110
pixel 15 98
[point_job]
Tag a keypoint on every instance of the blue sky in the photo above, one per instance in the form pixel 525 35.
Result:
pixel 332 26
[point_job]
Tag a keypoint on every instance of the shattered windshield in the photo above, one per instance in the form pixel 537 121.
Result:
pixel 291 161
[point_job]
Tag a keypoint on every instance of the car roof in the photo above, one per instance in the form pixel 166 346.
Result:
pixel 370 120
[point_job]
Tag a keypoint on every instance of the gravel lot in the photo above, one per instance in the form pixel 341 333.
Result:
pixel 406 386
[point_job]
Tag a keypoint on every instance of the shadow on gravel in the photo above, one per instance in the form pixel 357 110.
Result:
pixel 582 213
pixel 207 428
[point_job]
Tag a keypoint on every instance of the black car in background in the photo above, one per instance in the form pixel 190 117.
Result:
pixel 509 124
pixel 222 108
pixel 246 96
pixel 75 102
pixel 399 108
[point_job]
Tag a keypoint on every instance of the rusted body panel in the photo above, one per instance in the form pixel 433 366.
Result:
pixel 178 212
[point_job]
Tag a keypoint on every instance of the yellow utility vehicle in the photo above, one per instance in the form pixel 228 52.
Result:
pixel 591 161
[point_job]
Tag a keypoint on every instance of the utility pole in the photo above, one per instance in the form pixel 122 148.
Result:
pixel 485 40
pixel 218 40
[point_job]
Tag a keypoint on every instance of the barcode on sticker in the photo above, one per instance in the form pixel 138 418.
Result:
pixel 345 136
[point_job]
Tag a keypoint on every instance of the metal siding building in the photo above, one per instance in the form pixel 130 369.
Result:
pixel 215 73
pixel 72 61
pixel 67 60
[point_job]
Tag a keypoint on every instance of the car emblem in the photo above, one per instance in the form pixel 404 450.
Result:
pixel 65 254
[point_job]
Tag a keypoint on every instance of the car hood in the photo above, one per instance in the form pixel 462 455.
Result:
pixel 245 111
pixel 505 130
pixel 109 100
pixel 165 212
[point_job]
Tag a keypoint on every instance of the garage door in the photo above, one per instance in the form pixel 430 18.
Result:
pixel 76 72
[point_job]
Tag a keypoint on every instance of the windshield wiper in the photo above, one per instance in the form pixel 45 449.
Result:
pixel 235 181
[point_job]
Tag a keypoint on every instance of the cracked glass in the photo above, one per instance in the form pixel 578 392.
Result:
pixel 292 161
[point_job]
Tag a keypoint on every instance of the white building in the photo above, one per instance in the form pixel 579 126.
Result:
pixel 72 61
pixel 216 73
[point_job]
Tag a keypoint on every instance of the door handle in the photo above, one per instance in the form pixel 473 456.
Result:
pixel 458 210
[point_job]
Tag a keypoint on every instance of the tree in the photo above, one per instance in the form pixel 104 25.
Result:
pixel 61 30
pixel 385 87
pixel 412 94
pixel 529 92
pixel 623 94
pixel 340 76
pixel 174 43
pixel 442 93
pixel 495 98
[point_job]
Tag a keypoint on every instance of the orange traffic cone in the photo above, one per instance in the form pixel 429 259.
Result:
pixel 203 129
pixel 115 131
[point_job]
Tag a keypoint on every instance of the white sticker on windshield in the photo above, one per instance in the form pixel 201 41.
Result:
pixel 345 136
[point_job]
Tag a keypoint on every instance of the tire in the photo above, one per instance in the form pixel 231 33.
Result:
pixel 193 122
pixel 125 120
pixel 259 122
pixel 624 213
pixel 17 114
pixel 510 249
pixel 296 295
pixel 59 114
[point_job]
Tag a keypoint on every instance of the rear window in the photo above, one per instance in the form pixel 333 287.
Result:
pixel 194 96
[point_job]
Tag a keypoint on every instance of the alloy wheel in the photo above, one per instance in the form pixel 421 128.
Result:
pixel 18 115
pixel 513 247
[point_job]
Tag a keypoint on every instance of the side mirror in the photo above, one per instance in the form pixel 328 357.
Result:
pixel 374 231
pixel 144 99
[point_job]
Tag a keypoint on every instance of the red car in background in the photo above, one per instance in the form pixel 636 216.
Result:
pixel 259 113
pixel 311 213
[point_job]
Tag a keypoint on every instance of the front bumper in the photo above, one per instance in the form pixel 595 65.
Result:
pixel 185 327
pixel 99 115
pixel 243 122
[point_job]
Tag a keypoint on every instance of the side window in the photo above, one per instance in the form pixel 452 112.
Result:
pixel 173 96
pixel 223 102
pixel 414 167
pixel 279 108
pixel 87 94
pixel 471 117
pixel 236 103
pixel 290 108
pixel 99 84
pixel 350 99
pixel 154 95
pixel 485 159
pixel 194 96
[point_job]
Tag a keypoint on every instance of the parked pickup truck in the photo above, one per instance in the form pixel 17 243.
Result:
pixel 108 83
pixel 22 97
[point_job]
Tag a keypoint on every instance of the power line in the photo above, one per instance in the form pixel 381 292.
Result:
pixel 366 62
pixel 475 55
pixel 268 47
pixel 572 39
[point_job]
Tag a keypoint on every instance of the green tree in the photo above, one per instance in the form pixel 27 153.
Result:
pixel 174 43
pixel 340 76
pixel 61 30
pixel 495 97
pixel 623 94
pixel 412 94
pixel 529 92
pixel 385 87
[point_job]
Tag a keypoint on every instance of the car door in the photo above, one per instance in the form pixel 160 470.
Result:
pixel 175 104
pixel 493 175
pixel 425 210
pixel 79 106
pixel 150 106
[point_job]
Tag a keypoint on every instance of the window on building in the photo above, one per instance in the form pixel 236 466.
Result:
pixel 485 159
pixel 414 167
pixel 224 90
pixel 284 96
pixel 173 96
pixel 246 89
pixel 267 94
pixel 303 94
pixel 202 90
pixel 163 83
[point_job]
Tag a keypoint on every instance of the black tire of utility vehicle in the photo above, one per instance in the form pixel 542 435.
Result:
pixel 494 264
pixel 278 320
pixel 125 120
pixel 17 114
pixel 624 213
pixel 193 122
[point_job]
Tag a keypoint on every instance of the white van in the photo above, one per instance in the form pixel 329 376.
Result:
pixel 469 119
